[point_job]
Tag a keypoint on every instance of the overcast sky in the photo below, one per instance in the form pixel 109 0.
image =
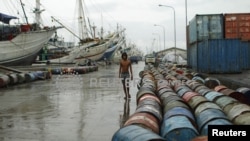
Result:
pixel 139 17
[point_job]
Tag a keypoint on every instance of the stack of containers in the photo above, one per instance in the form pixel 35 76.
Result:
pixel 219 43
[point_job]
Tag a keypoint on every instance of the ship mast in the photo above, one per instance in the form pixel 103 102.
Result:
pixel 38 12
pixel 82 21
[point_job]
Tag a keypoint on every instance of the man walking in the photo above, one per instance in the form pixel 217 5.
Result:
pixel 125 71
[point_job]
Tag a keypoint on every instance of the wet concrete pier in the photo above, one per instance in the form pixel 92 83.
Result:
pixel 67 107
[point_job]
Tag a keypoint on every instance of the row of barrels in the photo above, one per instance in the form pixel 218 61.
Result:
pixel 187 106
pixel 73 70
pixel 22 77
pixel 144 123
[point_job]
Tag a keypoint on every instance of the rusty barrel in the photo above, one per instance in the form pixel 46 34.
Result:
pixel 178 128
pixel 148 96
pixel 135 133
pixel 246 92
pixel 220 88
pixel 211 82
pixel 200 138
pixel 144 119
pixel 188 95
pixel 234 94
pixel 150 106
pixel 4 80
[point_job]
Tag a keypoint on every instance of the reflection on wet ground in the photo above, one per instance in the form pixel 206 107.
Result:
pixel 67 107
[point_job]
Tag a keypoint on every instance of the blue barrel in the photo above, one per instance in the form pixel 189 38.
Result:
pixel 183 90
pixel 218 121
pixel 178 128
pixel 29 77
pixel 180 111
pixel 198 79
pixel 39 74
pixel 56 71
pixel 212 95
pixel 135 133
pixel 167 94
pixel 208 115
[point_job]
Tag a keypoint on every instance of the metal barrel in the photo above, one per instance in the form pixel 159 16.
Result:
pixel 177 111
pixel 56 71
pixel 213 95
pixel 173 104
pixel 246 92
pixel 178 128
pixel 168 99
pixel 223 101
pixel 203 91
pixel 236 109
pixel 188 95
pixel 29 77
pixel 209 115
pixel 220 88
pixel 200 138
pixel 234 94
pixel 144 119
pixel 198 79
pixel 13 78
pixel 218 121
pixel 206 105
pixel 196 101
pixel 4 80
pixel 148 96
pixel 135 133
pixel 150 106
pixel 242 119
pixel 21 77
pixel 211 82
pixel 183 90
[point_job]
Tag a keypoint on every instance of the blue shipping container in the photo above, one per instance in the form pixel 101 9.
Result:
pixel 245 55
pixel 217 56
pixel 203 27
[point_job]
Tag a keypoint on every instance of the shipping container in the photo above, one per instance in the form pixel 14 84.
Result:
pixel 237 25
pixel 203 27
pixel 245 55
pixel 218 56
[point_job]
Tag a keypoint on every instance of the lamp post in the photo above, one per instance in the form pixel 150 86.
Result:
pixel 174 29
pixel 163 34
pixel 159 39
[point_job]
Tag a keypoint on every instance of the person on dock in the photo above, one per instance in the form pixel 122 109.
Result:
pixel 125 71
